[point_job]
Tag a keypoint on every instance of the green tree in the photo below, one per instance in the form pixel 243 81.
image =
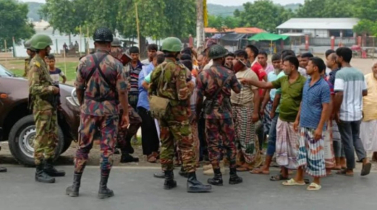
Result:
pixel 221 23
pixel 366 11
pixel 13 16
pixel 263 14
pixel 326 9
pixel 180 18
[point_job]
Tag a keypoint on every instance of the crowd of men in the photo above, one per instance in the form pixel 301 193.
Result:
pixel 213 104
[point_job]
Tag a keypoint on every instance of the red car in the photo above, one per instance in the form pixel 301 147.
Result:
pixel 17 122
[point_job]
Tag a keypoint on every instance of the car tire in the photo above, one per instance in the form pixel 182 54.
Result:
pixel 23 152
pixel 67 144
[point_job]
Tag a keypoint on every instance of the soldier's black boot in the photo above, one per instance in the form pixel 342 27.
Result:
pixel 3 169
pixel 51 170
pixel 42 176
pixel 234 178
pixel 103 191
pixel 183 173
pixel 169 183
pixel 127 158
pixel 73 191
pixel 194 186
pixel 217 179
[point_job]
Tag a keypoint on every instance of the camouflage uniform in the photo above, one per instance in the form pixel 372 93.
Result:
pixel 99 111
pixel 175 126
pixel 219 122
pixel 45 115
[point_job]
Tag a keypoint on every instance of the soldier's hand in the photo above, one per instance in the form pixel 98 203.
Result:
pixel 125 121
pixel 55 90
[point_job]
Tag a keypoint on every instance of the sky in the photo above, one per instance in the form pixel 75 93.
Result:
pixel 222 2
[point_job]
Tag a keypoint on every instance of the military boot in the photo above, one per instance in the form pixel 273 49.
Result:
pixel 183 173
pixel 217 179
pixel 73 191
pixel 42 176
pixel 51 170
pixel 169 183
pixel 103 191
pixel 194 186
pixel 234 178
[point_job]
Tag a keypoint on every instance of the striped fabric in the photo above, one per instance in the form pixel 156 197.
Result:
pixel 246 143
pixel 329 147
pixel 352 83
pixel 311 153
pixel 286 145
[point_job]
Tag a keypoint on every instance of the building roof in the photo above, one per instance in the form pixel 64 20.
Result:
pixel 319 23
pixel 251 30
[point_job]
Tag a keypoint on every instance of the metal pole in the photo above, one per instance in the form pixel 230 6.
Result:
pixel 199 23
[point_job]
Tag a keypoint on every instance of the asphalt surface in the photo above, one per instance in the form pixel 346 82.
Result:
pixel 135 189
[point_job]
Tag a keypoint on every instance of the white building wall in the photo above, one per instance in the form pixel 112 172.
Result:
pixel 316 32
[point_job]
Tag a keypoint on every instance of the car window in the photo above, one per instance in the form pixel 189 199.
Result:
pixel 4 72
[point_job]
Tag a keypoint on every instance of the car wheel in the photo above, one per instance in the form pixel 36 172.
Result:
pixel 21 141
pixel 67 144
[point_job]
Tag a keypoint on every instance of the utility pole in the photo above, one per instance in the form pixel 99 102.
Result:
pixel 199 23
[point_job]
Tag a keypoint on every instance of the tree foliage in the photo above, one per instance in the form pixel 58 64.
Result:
pixel 221 23
pixel 263 14
pixel 326 9
pixel 367 12
pixel 13 16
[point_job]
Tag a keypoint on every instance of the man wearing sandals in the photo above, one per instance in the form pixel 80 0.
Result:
pixel 312 117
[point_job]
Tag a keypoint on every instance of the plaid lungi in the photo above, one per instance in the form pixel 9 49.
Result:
pixel 286 145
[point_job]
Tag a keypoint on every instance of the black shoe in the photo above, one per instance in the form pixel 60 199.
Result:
pixel 116 151
pixel 103 191
pixel 169 183
pixel 51 171
pixel 42 176
pixel 194 186
pixel 159 175
pixel 73 191
pixel 234 178
pixel 127 158
pixel 3 169
pixel 217 179
pixel 183 173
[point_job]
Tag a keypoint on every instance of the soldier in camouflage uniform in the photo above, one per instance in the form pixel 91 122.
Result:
pixel 100 86
pixel 216 84
pixel 31 53
pixel 175 125
pixel 43 95
pixel 125 135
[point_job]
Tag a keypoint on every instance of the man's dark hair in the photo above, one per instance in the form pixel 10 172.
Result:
pixel 152 47
pixel 241 53
pixel 253 48
pixel 263 53
pixel 186 57
pixel 345 53
pixel 160 58
pixel 328 52
pixel 187 63
pixel 276 57
pixel 230 54
pixel 286 53
pixel 292 60
pixel 187 50
pixel 134 50
pixel 51 57
pixel 319 63
pixel 307 55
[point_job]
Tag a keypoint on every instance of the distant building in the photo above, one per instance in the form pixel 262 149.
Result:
pixel 319 27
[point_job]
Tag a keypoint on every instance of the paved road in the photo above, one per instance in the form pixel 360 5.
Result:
pixel 136 189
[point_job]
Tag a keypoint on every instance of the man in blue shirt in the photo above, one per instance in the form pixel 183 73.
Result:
pixel 312 118
pixel 149 135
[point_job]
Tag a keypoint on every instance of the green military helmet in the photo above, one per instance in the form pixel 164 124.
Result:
pixel 172 44
pixel 217 51
pixel 116 42
pixel 27 45
pixel 40 41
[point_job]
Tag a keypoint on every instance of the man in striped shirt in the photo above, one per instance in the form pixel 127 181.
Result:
pixel 350 87
pixel 134 70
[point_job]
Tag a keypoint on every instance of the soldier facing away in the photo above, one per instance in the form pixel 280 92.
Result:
pixel 31 53
pixel 44 102
pixel 100 85
pixel 169 81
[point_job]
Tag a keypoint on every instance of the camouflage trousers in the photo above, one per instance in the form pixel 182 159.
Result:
pixel 178 133
pixel 46 139
pixel 107 128
pixel 196 144
pixel 220 136
pixel 125 135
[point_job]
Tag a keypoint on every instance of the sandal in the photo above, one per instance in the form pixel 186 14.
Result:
pixel 343 172
pixel 292 182
pixel 259 171
pixel 314 187
pixel 366 169
pixel 278 177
